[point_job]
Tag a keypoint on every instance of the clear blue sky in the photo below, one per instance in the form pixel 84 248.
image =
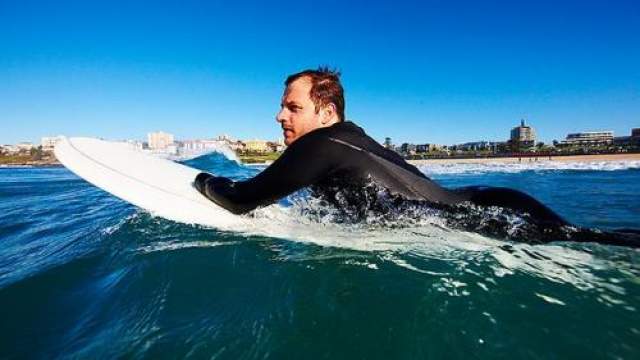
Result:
pixel 433 71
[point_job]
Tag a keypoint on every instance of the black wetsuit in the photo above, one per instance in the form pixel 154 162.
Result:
pixel 343 159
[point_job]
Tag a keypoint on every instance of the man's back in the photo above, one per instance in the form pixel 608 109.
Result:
pixel 356 160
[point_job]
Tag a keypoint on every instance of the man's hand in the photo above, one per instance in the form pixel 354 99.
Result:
pixel 206 184
pixel 221 191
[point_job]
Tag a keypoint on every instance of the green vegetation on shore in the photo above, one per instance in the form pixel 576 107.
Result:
pixel 261 158
pixel 35 156
pixel 15 159
pixel 258 158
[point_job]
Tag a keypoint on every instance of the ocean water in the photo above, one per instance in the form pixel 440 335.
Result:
pixel 85 275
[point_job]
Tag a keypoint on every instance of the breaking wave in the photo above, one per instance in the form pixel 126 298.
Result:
pixel 489 167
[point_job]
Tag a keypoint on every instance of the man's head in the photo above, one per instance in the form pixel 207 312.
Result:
pixel 312 99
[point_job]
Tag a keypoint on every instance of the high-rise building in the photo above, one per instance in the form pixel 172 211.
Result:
pixel 522 137
pixel 159 140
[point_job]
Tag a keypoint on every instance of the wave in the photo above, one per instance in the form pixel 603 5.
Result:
pixel 479 168
pixel 217 149
pixel 223 164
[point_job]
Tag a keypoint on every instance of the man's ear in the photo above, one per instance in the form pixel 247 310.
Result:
pixel 328 114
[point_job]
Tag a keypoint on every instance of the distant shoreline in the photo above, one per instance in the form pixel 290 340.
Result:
pixel 523 160
pixel 531 159
pixel 508 159
pixel 27 166
pixel 21 160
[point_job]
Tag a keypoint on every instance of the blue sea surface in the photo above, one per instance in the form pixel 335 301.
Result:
pixel 86 275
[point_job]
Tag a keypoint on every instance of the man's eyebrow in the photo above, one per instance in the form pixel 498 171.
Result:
pixel 290 103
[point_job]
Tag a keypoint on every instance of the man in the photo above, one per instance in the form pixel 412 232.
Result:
pixel 347 168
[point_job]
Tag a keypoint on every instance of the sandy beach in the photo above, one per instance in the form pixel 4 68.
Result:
pixel 572 158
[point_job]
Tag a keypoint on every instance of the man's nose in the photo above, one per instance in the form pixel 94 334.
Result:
pixel 280 116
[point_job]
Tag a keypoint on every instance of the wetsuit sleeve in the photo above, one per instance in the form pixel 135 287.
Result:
pixel 304 163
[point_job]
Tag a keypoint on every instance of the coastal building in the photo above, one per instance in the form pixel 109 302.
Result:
pixel 628 141
pixel 623 141
pixel 475 146
pixel 159 140
pixel 494 147
pixel 425 148
pixel 225 138
pixel 230 142
pixel 522 137
pixel 588 138
pixel 195 146
pixel 408 149
pixel 388 144
pixel 25 146
pixel 9 149
pixel 49 142
pixel 260 146
pixel 236 145
pixel 277 146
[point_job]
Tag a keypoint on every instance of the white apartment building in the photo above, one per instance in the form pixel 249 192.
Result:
pixel 49 142
pixel 159 140
pixel 256 145
pixel 195 146
pixel 25 146
pixel 589 138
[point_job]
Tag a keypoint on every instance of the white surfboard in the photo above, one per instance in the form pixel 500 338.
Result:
pixel 162 187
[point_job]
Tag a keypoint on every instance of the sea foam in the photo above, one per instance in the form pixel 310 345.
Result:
pixel 478 168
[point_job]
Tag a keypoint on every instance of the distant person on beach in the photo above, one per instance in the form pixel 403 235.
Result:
pixel 346 168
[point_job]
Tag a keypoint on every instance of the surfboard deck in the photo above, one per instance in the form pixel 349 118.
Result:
pixel 162 187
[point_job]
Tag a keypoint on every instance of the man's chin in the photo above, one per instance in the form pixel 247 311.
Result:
pixel 288 140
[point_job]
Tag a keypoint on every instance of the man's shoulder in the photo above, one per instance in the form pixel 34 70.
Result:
pixel 345 129
pixel 339 130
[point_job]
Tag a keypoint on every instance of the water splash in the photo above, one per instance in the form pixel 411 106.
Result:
pixel 501 167
pixel 217 148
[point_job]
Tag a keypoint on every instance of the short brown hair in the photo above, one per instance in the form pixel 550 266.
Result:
pixel 325 88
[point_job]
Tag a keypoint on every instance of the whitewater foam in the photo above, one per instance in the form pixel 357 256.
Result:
pixel 180 245
pixel 479 168
pixel 222 149
pixel 460 251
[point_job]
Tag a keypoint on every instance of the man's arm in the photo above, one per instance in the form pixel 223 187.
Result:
pixel 304 163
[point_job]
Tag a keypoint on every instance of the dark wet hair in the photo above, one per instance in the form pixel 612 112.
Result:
pixel 325 88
